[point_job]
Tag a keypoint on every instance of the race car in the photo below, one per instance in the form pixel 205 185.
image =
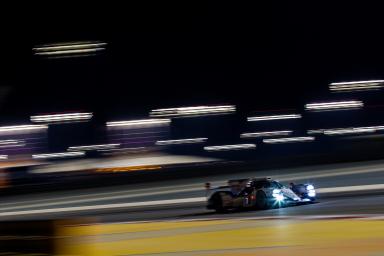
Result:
pixel 261 193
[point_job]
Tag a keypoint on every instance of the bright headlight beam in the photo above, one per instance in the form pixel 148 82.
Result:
pixel 289 140
pixel 273 117
pixel 230 147
pixel 264 134
pixel 338 105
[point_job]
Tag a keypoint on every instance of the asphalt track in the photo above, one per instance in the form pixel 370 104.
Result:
pixel 325 177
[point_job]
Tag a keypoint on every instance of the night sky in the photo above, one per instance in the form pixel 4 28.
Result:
pixel 259 57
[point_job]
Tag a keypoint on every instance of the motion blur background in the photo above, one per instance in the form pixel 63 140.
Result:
pixel 107 107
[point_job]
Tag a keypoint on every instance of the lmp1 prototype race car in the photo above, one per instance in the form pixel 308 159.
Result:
pixel 257 193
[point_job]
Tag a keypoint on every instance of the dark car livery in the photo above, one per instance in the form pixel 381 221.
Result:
pixel 257 193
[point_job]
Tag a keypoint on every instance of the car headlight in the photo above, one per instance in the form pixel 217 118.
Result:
pixel 310 187
pixel 276 191
pixel 312 193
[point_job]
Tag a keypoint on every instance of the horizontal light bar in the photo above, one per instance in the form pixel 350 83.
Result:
pixel 69 48
pixel 289 140
pixel 61 117
pixel 192 111
pixel 273 117
pixel 334 105
pixel 181 141
pixel 93 147
pixel 58 155
pixel 349 130
pixel 343 131
pixel 3 157
pixel 11 143
pixel 230 147
pixel 139 122
pixel 64 52
pixel 357 86
pixel 22 128
pixel 264 134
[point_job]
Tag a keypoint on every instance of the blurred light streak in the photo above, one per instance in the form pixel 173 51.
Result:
pixel 356 86
pixel 289 140
pixel 230 147
pixel 93 147
pixel 265 134
pixel 129 168
pixel 338 105
pixel 11 143
pixel 142 122
pixel 58 155
pixel 193 111
pixel 17 128
pixel 181 141
pixel 3 157
pixel 348 130
pixel 69 48
pixel 273 117
pixel 61 117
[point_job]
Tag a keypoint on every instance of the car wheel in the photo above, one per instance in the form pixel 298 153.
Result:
pixel 261 200
pixel 218 203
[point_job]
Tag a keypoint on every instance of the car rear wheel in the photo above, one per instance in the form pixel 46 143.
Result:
pixel 218 203
pixel 261 200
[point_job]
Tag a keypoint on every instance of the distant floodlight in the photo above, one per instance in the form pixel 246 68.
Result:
pixel 356 86
pixel 55 118
pixel 93 147
pixel 142 122
pixel 230 147
pixel 273 117
pixel 22 128
pixel 193 111
pixel 180 141
pixel 338 105
pixel 77 48
pixel 289 140
pixel 264 134
pixel 58 155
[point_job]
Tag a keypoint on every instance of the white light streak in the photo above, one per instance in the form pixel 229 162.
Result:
pixel 273 117
pixel 230 147
pixel 334 105
pixel 149 122
pixel 193 111
pixel 181 141
pixel 93 147
pixel 289 140
pixel 61 117
pixel 265 134
pixel 3 157
pixel 69 48
pixel 58 155
pixel 346 131
pixel 21 128
pixel 11 143
pixel 356 86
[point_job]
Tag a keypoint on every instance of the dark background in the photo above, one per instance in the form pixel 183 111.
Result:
pixel 164 54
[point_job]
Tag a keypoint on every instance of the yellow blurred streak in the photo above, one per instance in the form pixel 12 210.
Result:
pixel 237 237
pixel 129 168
